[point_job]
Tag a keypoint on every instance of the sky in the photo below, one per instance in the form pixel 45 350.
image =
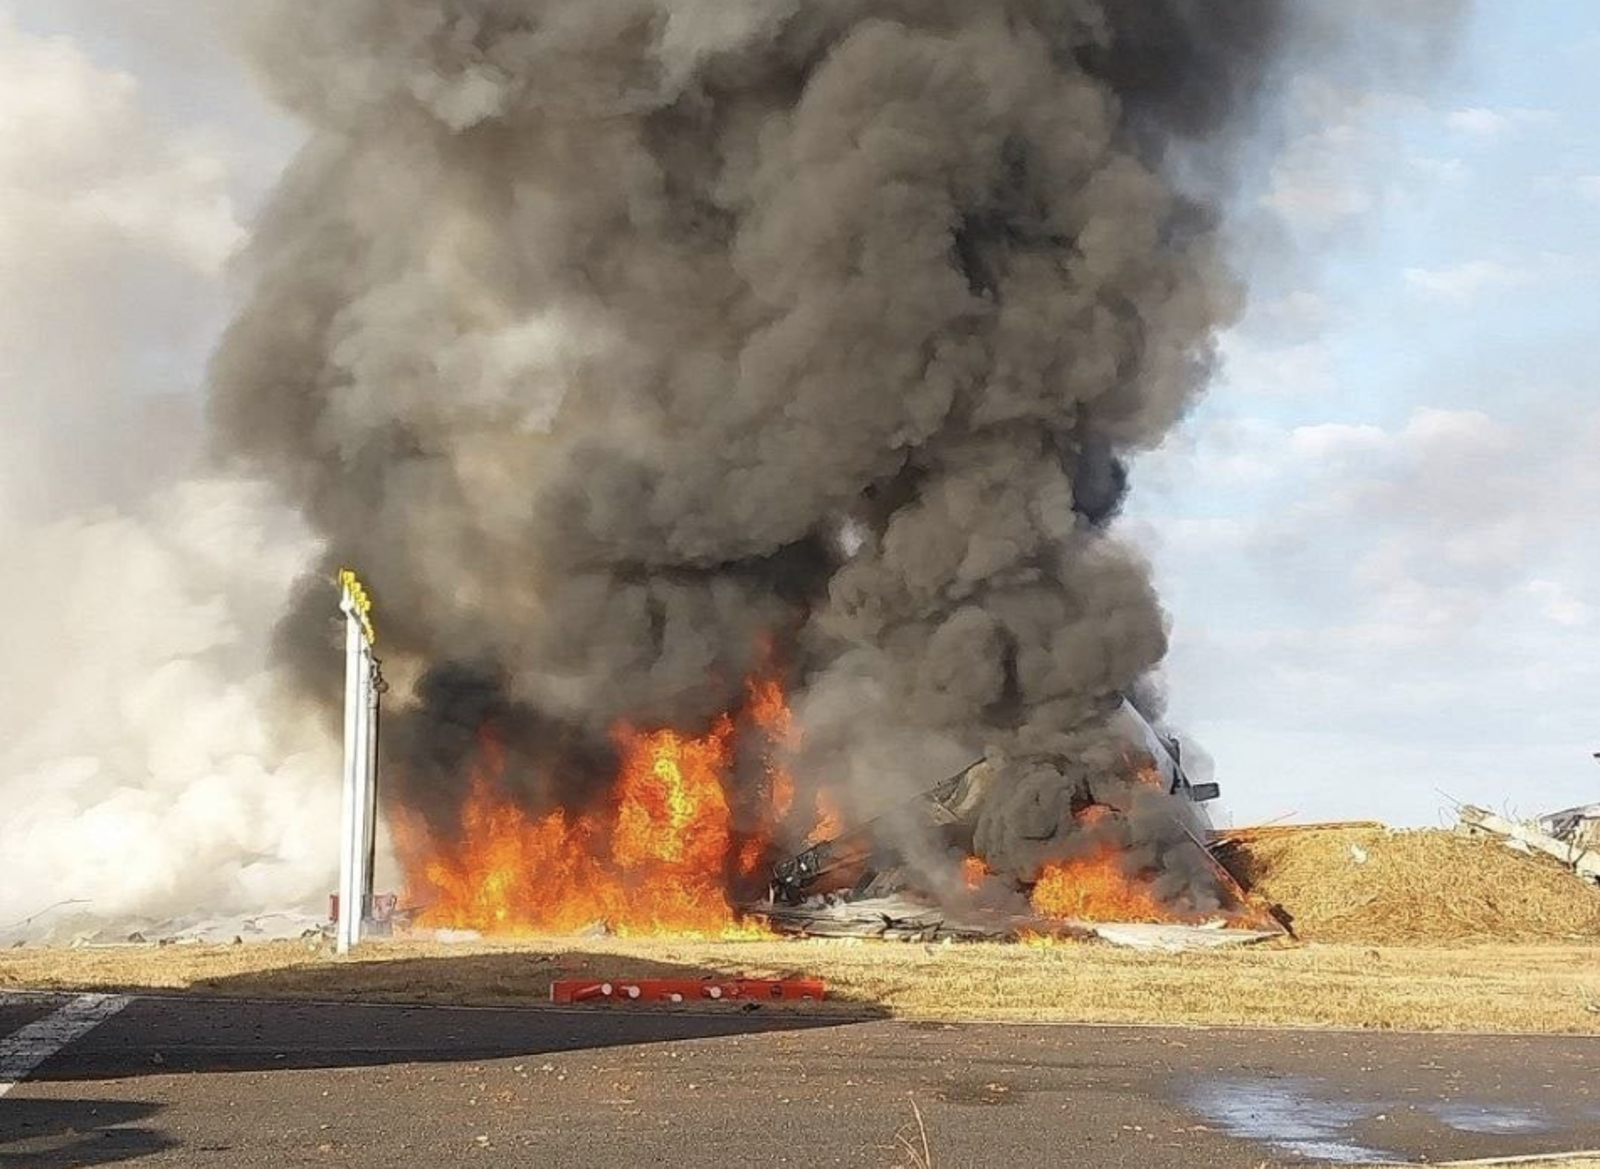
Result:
pixel 1375 538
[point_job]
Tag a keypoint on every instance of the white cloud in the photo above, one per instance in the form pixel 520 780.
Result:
pixel 1483 122
pixel 1232 452
pixel 1450 171
pixel 1390 584
pixel 1589 187
pixel 1450 433
pixel 1466 280
pixel 1300 312
pixel 1304 368
pixel 1205 536
pixel 1331 441
pixel 1469 279
pixel 1560 604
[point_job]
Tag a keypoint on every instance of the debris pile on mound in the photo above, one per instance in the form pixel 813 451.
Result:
pixel 1368 884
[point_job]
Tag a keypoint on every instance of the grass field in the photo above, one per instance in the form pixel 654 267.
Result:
pixel 1411 930
pixel 1540 988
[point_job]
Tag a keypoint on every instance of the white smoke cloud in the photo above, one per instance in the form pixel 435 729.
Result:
pixel 114 229
pixel 142 760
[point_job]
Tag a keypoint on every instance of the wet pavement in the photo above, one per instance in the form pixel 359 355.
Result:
pixel 1318 1121
pixel 184 1081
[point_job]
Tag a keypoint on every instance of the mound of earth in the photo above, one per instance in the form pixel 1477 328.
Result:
pixel 1378 886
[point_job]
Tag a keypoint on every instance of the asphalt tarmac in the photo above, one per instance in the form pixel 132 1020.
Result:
pixel 89 1080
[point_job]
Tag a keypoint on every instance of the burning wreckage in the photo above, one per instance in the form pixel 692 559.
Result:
pixel 862 884
pixel 689 842
pixel 686 361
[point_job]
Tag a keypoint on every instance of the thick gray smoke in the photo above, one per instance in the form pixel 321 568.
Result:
pixel 611 339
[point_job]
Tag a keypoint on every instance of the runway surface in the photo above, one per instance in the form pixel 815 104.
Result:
pixel 99 1080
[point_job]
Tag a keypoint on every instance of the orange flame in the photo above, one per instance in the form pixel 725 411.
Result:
pixel 666 853
pixel 660 862
pixel 830 819
pixel 673 812
pixel 1096 888
pixel 768 708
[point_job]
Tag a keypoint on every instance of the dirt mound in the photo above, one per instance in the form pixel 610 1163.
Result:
pixel 1374 885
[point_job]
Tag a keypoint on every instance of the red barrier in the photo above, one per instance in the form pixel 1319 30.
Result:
pixel 685 990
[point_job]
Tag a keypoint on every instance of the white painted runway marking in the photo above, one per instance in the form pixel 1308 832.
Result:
pixel 22 1053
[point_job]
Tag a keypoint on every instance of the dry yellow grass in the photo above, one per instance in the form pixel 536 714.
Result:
pixel 1433 888
pixel 1429 932
pixel 1507 988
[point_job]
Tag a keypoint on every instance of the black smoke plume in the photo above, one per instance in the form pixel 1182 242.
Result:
pixel 614 339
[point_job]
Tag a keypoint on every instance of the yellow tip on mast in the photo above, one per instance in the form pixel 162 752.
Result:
pixel 360 602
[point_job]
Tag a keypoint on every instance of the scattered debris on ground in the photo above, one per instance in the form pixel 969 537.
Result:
pixel 1167 938
pixel 1339 883
pixel 900 918
pixel 69 925
pixel 858 884
pixel 1572 837
pixel 1580 826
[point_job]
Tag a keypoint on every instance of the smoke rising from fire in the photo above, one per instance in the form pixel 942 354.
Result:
pixel 617 343
pixel 616 340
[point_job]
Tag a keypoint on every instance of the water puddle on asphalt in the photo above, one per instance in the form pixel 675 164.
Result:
pixel 1489 1119
pixel 1290 1117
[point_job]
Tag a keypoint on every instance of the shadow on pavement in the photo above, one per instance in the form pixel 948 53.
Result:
pixel 369 1013
pixel 76 1134
pixel 519 978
